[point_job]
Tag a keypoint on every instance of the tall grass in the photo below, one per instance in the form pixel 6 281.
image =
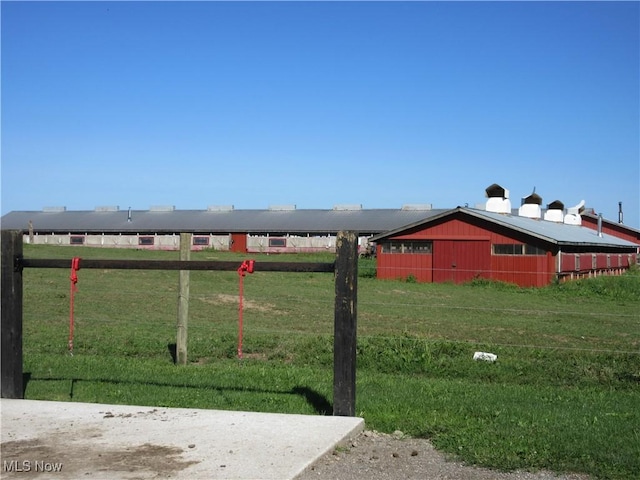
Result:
pixel 563 395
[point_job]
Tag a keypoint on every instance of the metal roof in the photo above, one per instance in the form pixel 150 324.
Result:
pixel 299 221
pixel 382 223
pixel 555 233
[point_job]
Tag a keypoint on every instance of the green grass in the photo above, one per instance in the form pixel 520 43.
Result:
pixel 563 395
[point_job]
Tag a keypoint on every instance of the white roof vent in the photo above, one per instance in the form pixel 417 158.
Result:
pixel 498 199
pixel 573 214
pixel 220 208
pixel 54 209
pixel 530 210
pixel 417 206
pixel 555 212
pixel 530 206
pixel 108 208
pixel 282 208
pixel 162 208
pixel 354 206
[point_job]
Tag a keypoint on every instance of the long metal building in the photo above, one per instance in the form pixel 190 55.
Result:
pixel 278 229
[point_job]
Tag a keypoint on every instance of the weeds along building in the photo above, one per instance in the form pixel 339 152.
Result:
pixel 496 242
pixel 278 229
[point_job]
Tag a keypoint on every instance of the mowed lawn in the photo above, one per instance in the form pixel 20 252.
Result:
pixel 563 395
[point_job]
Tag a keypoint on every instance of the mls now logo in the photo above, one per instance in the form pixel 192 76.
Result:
pixel 29 466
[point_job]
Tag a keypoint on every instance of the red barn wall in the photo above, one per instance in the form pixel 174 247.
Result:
pixel 460 261
pixel 615 229
pixel 396 266
pixel 588 262
pixel 462 252
pixel 524 270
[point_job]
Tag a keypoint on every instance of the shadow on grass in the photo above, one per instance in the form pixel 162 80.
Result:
pixel 173 351
pixel 319 402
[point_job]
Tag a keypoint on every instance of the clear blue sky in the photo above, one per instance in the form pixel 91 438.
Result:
pixel 315 104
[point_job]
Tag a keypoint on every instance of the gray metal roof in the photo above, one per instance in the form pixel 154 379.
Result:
pixel 555 233
pixel 298 221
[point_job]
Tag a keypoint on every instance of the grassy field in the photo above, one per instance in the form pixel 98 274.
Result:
pixel 564 394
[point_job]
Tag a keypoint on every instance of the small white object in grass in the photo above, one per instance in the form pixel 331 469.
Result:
pixel 487 357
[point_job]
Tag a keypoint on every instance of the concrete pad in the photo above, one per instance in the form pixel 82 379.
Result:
pixel 69 440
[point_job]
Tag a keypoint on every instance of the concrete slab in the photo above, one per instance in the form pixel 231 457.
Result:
pixel 68 440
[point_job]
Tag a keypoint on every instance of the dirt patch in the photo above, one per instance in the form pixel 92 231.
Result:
pixel 226 299
pixel 157 459
pixel 56 458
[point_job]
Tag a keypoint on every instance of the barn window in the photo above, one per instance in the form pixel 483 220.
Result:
pixel 404 246
pixel 507 249
pixel 76 240
pixel 515 249
pixel 533 250
pixel 277 242
pixel 146 241
pixel 201 240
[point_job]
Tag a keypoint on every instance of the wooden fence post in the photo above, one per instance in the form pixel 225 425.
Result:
pixel 183 301
pixel 11 382
pixel 345 325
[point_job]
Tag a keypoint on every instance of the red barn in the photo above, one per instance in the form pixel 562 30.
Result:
pixel 617 229
pixel 461 244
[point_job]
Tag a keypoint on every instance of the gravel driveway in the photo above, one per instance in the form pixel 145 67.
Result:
pixel 378 456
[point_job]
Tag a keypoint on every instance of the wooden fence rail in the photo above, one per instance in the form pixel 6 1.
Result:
pixel 211 265
pixel 345 269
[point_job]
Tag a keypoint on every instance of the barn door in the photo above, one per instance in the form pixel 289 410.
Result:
pixel 459 261
pixel 239 242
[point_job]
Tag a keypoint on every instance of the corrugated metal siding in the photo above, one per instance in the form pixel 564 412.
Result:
pixel 586 262
pixel 452 229
pixel 616 229
pixel 468 247
pixel 615 232
pixel 459 229
pixel 568 262
pixel 393 266
pixel 627 260
pixel 584 265
pixel 461 260
pixel 583 262
pixel 523 270
pixel 454 242
pixel 463 239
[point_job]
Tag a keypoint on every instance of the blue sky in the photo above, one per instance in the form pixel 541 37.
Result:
pixel 382 104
